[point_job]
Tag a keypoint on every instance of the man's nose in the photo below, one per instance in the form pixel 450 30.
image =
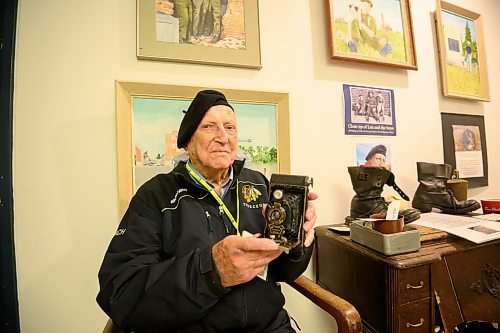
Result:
pixel 221 135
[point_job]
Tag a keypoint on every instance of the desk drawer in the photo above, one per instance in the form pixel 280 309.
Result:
pixel 414 284
pixel 415 317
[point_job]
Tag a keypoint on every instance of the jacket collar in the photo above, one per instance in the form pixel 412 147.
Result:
pixel 181 172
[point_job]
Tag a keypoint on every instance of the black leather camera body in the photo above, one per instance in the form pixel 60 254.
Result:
pixel 285 213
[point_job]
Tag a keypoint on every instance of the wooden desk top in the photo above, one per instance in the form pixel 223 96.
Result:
pixel 434 244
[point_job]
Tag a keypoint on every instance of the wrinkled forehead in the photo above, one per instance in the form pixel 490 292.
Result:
pixel 220 113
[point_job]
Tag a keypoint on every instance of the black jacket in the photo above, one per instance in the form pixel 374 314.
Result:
pixel 158 274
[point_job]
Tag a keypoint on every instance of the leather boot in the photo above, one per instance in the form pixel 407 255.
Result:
pixel 432 191
pixel 368 183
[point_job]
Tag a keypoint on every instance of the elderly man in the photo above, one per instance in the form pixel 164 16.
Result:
pixel 179 263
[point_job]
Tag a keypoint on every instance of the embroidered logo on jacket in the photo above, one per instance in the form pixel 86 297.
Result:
pixel 250 193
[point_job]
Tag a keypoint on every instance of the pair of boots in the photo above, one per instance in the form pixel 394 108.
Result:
pixel 368 183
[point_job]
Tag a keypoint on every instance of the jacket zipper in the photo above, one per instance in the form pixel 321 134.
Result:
pixel 209 226
pixel 221 214
pixel 209 223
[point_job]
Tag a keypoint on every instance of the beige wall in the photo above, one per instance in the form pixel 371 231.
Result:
pixel 70 52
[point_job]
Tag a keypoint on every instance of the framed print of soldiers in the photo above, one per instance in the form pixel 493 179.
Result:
pixel 179 262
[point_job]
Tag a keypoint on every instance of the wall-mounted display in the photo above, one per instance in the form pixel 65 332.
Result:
pixel 222 33
pixel 369 111
pixel 461 53
pixel 372 31
pixel 464 143
pixel 149 115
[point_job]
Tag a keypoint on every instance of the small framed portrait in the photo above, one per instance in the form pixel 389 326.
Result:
pixel 372 31
pixel 461 53
pixel 464 141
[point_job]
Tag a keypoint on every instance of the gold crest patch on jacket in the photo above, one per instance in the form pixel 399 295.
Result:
pixel 250 193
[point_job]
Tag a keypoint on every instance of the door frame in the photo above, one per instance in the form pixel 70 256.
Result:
pixel 9 316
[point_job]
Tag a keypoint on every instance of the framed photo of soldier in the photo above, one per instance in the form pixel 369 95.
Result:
pixel 217 32
pixel 461 53
pixel 372 31
pixel 148 117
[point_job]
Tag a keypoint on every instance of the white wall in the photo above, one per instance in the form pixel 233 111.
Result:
pixel 65 186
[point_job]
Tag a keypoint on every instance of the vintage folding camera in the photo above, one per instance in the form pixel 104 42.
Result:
pixel 285 213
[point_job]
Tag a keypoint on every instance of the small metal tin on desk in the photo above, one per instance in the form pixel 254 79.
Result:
pixel 389 244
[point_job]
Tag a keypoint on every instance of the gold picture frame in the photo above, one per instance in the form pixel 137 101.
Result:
pixel 256 107
pixel 462 56
pixel 161 27
pixel 372 32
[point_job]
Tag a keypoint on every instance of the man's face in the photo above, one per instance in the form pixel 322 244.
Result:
pixel 214 143
pixel 377 160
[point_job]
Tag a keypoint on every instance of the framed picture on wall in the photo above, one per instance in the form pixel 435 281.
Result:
pixel 372 31
pixel 462 55
pixel 222 33
pixel 149 115
pixel 464 141
pixel 369 111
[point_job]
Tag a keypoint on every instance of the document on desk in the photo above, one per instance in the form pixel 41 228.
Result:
pixel 489 217
pixel 473 229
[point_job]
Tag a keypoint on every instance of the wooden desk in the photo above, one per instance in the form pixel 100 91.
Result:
pixel 449 280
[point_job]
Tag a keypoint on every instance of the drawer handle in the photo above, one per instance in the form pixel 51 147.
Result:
pixel 416 325
pixel 409 286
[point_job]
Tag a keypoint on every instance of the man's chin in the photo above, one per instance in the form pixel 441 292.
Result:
pixel 222 163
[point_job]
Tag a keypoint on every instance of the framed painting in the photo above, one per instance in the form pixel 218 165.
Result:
pixel 461 53
pixel 464 143
pixel 222 33
pixel 149 115
pixel 372 31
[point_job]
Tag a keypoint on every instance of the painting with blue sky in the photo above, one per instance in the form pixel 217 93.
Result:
pixel 154 118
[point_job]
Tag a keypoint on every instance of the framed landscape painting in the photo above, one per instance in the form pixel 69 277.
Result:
pixel 148 119
pixel 461 53
pixel 224 33
pixel 372 31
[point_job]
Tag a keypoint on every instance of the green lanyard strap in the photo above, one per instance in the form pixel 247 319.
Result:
pixel 219 200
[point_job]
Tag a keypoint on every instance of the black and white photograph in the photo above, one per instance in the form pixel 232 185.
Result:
pixel 369 111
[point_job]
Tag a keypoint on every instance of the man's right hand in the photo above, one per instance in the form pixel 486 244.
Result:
pixel 240 259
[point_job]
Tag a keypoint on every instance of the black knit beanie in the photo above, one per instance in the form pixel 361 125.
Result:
pixel 203 101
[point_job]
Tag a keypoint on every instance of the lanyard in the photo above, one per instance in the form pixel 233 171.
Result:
pixel 219 200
